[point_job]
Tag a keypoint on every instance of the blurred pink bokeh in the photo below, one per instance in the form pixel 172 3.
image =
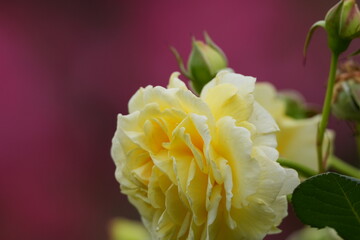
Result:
pixel 68 67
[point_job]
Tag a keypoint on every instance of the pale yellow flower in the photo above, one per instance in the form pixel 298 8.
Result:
pixel 309 233
pixel 124 229
pixel 297 137
pixel 202 167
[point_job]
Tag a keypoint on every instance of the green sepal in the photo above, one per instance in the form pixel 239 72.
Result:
pixel 180 62
pixel 310 34
pixel 357 52
pixel 338 45
pixel 212 44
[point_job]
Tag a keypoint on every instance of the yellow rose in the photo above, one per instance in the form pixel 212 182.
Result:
pixel 297 137
pixel 202 167
pixel 124 229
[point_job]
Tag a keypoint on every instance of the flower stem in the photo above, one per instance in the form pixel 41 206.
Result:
pixel 301 169
pixel 343 167
pixel 326 112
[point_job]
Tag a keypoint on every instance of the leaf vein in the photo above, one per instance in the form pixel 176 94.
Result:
pixel 348 200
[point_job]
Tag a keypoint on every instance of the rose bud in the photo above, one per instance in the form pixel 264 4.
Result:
pixel 205 61
pixel 342 24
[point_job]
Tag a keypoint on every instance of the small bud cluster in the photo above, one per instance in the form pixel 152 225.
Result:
pixel 346 97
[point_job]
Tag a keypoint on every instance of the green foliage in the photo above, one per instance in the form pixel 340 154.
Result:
pixel 332 200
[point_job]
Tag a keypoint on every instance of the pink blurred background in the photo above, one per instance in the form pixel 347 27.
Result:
pixel 68 67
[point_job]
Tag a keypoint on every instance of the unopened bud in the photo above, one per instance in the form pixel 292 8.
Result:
pixel 205 61
pixel 342 24
pixel 346 97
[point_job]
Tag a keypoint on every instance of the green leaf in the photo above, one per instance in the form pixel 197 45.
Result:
pixel 332 200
